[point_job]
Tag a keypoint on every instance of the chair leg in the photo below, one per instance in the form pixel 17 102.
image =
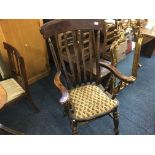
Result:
pixel 74 127
pixel 65 111
pixel 116 121
pixel 32 103
pixel 11 131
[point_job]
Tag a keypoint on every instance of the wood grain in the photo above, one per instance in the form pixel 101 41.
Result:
pixel 118 74
pixel 24 34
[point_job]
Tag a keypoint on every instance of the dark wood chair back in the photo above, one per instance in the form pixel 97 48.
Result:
pixel 17 83
pixel 17 66
pixel 77 39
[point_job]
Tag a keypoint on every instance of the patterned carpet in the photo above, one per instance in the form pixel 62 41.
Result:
pixel 137 109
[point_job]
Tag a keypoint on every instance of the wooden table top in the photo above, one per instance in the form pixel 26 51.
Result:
pixel 3 96
pixel 148 32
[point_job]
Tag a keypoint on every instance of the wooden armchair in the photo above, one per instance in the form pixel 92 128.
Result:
pixel 84 99
pixel 16 87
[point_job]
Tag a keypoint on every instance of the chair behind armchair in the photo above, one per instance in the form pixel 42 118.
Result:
pixel 16 86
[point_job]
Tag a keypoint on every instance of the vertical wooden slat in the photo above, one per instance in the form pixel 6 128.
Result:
pixel 69 58
pixel 58 42
pixel 54 54
pixel 105 39
pixel 14 61
pixel 83 56
pixel 75 46
pixel 19 67
pixel 97 56
pixel 17 64
pixel 91 54
pixel 11 61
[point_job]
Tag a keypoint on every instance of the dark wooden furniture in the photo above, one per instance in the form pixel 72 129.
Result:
pixel 149 42
pixel 84 99
pixel 138 27
pixel 16 86
pixel 3 100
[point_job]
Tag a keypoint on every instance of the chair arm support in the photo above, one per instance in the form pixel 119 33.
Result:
pixel 62 88
pixel 118 74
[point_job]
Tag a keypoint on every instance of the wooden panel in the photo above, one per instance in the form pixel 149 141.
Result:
pixel 25 35
pixel 2 39
pixel 3 54
pixel 148 32
pixel 147 39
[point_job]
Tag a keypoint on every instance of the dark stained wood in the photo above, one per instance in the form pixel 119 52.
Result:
pixel 69 58
pixel 148 48
pixel 116 121
pixel 82 38
pixel 18 72
pixel 9 130
pixel 149 41
pixel 60 26
pixel 91 54
pixel 75 45
pixel 54 54
pixel 83 57
pixel 148 32
pixel 118 74
pixel 61 60
pixel 97 57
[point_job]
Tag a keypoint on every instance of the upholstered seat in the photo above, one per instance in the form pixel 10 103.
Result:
pixel 90 101
pixel 12 88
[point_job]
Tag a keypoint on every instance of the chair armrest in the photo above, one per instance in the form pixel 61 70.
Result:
pixel 62 88
pixel 118 74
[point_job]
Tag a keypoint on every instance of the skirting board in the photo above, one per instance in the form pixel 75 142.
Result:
pixel 38 77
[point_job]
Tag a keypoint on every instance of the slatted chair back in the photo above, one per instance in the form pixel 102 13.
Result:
pixel 77 39
pixel 110 34
pixel 17 67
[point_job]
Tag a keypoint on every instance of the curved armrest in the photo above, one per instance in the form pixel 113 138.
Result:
pixel 62 88
pixel 118 74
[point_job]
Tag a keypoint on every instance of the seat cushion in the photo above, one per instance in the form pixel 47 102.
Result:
pixel 12 88
pixel 90 101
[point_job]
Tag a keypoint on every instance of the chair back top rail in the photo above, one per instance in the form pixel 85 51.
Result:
pixel 60 26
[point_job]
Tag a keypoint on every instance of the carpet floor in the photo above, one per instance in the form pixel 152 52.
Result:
pixel 136 109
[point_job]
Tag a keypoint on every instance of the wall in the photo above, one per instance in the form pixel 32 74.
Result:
pixel 25 35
